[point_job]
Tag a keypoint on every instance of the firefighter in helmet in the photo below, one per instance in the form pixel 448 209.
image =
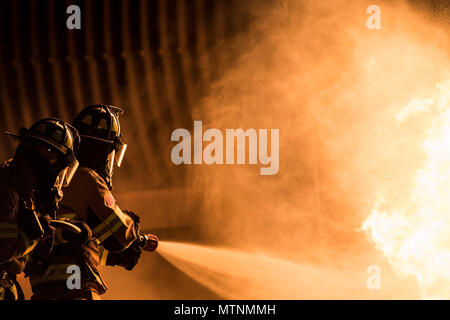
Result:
pixel 30 189
pixel 115 232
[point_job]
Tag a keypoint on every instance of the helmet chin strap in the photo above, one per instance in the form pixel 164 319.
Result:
pixel 48 200
pixel 102 171
pixel 108 168
pixel 107 178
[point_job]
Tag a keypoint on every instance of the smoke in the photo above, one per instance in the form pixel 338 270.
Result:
pixel 334 88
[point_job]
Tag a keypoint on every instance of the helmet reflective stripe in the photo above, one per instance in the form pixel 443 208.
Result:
pixel 59 137
pixel 52 131
pixel 115 125
pixel 101 123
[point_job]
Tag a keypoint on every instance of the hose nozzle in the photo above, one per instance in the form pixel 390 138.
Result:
pixel 148 242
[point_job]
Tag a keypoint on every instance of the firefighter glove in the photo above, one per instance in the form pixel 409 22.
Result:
pixel 83 237
pixel 127 258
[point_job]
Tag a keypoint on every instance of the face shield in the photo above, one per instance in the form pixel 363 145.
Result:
pixel 110 163
pixel 61 166
pixel 115 157
pixel 120 154
pixel 65 176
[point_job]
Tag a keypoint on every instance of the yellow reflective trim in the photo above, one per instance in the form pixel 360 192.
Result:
pixel 9 292
pixel 43 279
pixel 8 231
pixel 30 248
pixel 8 226
pixel 54 272
pixel 97 276
pixel 67 216
pixel 29 244
pixel 122 216
pixel 87 119
pixel 104 224
pixel 8 235
pixel 57 267
pixel 109 232
pixel 13 290
pixel 103 256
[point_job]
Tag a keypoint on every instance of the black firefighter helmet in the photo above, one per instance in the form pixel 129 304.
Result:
pixel 101 139
pixel 55 142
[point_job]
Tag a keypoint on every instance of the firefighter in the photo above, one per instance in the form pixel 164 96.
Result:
pixel 115 232
pixel 30 189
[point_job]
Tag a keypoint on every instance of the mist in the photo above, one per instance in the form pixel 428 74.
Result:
pixel 333 88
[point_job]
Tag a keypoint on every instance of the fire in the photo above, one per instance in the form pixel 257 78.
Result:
pixel 412 229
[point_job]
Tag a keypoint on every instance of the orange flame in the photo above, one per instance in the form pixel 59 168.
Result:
pixel 413 231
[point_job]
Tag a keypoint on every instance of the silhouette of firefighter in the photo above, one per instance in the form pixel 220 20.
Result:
pixel 30 189
pixel 112 237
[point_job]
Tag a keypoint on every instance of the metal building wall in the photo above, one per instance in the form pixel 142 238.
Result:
pixel 155 57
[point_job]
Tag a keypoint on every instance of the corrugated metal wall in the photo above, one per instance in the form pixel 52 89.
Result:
pixel 155 57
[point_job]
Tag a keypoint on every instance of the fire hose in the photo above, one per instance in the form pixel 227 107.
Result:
pixel 65 225
pixel 148 242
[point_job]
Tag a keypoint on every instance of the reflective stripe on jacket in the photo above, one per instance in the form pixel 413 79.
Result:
pixel 87 199
pixel 14 243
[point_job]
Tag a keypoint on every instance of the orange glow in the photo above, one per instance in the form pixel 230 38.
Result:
pixel 413 231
